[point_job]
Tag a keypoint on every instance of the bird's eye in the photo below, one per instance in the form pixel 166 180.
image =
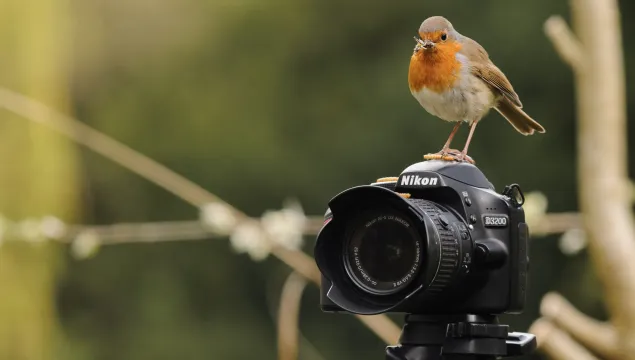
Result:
pixel 444 36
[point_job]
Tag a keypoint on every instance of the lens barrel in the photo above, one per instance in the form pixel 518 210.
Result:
pixel 379 249
pixel 446 237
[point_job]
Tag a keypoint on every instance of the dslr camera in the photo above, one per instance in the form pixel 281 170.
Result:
pixel 438 239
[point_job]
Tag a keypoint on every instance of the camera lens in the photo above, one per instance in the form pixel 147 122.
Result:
pixel 383 252
pixel 380 251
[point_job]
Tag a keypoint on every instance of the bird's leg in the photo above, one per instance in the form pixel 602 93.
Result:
pixel 446 147
pixel 463 156
pixel 443 154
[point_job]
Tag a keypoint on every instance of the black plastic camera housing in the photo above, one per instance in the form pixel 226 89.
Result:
pixel 438 240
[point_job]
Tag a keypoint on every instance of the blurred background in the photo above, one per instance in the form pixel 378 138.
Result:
pixel 256 101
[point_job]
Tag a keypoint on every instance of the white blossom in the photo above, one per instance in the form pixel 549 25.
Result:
pixel 29 230
pixel 85 245
pixel 248 237
pixel 535 207
pixel 218 217
pixel 572 242
pixel 285 227
pixel 52 227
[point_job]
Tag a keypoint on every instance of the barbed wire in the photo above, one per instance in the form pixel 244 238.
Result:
pixel 87 239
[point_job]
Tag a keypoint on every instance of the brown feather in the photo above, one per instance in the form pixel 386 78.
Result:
pixel 523 123
pixel 482 66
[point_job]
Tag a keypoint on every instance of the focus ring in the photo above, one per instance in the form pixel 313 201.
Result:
pixel 449 252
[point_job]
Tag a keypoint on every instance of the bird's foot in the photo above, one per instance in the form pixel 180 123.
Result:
pixel 465 158
pixel 441 155
pixel 450 155
pixel 438 156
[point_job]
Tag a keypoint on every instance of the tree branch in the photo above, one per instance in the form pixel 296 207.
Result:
pixel 555 223
pixel 107 147
pixel 604 188
pixel 288 314
pixel 167 179
pixel 302 263
pixel 565 42
pixel 557 343
pixel 599 337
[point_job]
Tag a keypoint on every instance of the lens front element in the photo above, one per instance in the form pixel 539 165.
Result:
pixel 383 252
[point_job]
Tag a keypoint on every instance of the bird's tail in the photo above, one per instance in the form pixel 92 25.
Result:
pixel 517 117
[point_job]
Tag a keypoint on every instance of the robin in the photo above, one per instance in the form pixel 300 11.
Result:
pixel 453 78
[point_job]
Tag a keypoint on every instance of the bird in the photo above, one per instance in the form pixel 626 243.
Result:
pixel 453 78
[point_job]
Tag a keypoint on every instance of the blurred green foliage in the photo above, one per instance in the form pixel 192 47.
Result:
pixel 258 101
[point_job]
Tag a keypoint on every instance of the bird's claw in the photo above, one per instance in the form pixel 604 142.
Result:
pixel 450 155
pixel 439 157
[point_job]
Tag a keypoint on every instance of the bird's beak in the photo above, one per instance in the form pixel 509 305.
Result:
pixel 423 44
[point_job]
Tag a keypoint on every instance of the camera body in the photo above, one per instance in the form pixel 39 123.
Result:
pixel 437 240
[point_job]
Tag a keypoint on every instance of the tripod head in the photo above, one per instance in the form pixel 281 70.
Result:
pixel 465 337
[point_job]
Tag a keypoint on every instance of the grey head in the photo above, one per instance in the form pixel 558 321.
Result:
pixel 434 30
pixel 435 23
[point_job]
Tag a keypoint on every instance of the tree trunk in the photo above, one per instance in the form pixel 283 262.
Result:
pixel 602 160
pixel 37 172
pixel 596 57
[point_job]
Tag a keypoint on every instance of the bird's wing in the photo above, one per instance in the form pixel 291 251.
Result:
pixel 482 66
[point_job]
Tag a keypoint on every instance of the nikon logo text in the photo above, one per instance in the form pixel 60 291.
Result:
pixel 418 180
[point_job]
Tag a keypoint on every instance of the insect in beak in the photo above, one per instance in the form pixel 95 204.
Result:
pixel 427 44
pixel 423 44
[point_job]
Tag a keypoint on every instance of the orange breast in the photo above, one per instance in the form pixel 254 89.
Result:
pixel 436 70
